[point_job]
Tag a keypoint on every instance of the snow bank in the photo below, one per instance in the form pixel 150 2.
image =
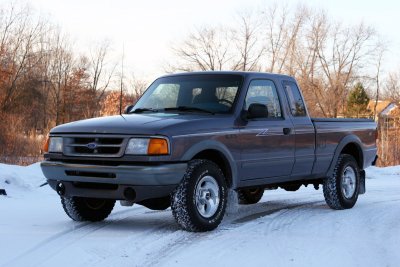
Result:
pixel 15 178
pixel 376 172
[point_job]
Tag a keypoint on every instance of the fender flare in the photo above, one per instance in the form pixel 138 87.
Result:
pixel 344 142
pixel 214 145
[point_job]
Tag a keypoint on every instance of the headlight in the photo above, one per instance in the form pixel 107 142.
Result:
pixel 147 146
pixel 56 144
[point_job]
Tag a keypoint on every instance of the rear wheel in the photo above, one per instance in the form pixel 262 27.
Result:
pixel 250 196
pixel 87 209
pixel 199 202
pixel 292 187
pixel 342 187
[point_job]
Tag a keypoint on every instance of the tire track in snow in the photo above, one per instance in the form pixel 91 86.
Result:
pixel 186 239
pixel 165 242
pixel 262 214
pixel 139 245
pixel 60 240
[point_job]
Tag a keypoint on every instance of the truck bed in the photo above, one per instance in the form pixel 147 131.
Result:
pixel 332 131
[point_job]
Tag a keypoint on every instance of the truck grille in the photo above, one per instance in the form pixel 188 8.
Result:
pixel 99 146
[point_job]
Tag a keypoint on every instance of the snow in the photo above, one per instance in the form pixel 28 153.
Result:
pixel 18 179
pixel 284 229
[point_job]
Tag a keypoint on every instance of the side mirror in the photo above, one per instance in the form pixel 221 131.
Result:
pixel 128 109
pixel 257 110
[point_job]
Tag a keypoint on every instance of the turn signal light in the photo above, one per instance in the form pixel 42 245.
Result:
pixel 46 145
pixel 157 146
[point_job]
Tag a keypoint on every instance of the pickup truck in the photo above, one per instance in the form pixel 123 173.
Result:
pixel 192 138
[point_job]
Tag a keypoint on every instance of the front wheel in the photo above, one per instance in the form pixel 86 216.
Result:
pixel 199 202
pixel 342 187
pixel 87 209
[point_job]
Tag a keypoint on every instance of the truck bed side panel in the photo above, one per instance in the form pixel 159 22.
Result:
pixel 333 135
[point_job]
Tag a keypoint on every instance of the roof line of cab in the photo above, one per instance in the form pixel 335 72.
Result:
pixel 242 73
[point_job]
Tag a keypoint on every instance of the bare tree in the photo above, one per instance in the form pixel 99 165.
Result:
pixel 316 36
pixel 276 19
pixel 60 67
pixel 392 87
pixel 283 30
pixel 20 35
pixel 340 57
pixel 204 49
pixel 101 72
pixel 294 41
pixel 136 87
pixel 381 49
pixel 247 44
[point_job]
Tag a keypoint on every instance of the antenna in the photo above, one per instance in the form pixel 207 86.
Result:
pixel 122 80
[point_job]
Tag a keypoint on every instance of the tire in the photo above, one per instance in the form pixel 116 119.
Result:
pixel 198 204
pixel 161 203
pixel 292 187
pixel 87 209
pixel 341 189
pixel 250 196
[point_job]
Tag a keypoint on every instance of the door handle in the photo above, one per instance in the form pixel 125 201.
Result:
pixel 287 131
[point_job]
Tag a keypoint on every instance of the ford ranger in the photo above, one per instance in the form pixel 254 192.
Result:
pixel 192 137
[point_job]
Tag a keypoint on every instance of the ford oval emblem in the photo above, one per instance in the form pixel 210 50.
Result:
pixel 91 145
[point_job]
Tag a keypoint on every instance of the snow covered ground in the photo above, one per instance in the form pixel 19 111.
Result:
pixel 284 229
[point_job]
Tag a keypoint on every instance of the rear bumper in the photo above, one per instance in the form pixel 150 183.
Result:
pixel 111 182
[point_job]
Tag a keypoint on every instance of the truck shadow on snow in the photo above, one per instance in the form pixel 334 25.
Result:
pixel 265 209
pixel 163 220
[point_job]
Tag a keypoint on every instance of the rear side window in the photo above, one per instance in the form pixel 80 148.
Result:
pixel 264 92
pixel 296 103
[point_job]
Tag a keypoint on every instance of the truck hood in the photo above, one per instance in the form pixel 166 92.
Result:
pixel 147 124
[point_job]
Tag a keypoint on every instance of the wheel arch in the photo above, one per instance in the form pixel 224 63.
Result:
pixel 219 154
pixel 351 145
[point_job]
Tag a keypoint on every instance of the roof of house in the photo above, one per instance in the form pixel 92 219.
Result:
pixel 390 110
pixel 381 105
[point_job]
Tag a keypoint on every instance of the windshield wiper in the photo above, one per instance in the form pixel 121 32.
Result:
pixel 188 108
pixel 140 110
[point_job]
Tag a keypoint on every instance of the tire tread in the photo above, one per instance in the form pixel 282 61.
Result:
pixel 181 206
pixel 77 210
pixel 331 186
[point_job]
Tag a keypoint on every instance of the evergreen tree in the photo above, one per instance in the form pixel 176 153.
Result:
pixel 357 102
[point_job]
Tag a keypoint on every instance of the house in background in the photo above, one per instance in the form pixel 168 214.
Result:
pixel 369 112
pixel 380 106
pixel 388 143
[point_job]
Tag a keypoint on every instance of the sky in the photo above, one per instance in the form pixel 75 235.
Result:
pixel 146 30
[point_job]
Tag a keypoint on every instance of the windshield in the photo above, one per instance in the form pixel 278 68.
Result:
pixel 214 93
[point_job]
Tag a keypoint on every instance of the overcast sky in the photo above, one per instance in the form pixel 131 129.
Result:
pixel 149 28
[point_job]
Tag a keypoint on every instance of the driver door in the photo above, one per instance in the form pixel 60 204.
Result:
pixel 267 144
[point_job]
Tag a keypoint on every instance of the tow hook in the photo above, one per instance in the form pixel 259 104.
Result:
pixel 60 188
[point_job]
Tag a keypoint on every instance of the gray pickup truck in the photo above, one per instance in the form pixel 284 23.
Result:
pixel 192 137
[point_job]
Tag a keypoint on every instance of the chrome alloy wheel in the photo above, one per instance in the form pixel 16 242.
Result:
pixel 348 184
pixel 207 196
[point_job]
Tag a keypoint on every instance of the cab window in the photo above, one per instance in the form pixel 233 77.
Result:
pixel 296 103
pixel 264 92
